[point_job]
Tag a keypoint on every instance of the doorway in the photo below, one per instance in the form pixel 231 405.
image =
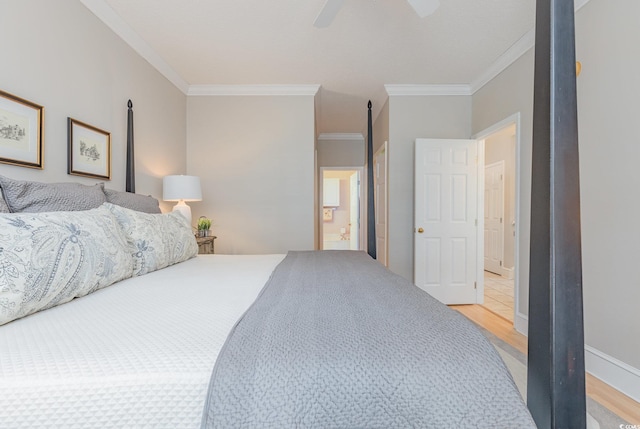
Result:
pixel 500 171
pixel 340 219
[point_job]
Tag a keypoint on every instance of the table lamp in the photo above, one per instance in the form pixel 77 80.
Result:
pixel 181 189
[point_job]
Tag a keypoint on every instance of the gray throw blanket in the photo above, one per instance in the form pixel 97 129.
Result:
pixel 335 340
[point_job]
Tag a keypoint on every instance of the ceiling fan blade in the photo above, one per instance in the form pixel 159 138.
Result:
pixel 424 7
pixel 328 12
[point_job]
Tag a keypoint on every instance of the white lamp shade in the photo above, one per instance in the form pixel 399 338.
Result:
pixel 181 188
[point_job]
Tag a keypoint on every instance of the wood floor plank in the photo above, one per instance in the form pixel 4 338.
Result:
pixel 498 326
pixel 597 390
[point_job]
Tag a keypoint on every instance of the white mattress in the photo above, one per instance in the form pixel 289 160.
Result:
pixel 136 354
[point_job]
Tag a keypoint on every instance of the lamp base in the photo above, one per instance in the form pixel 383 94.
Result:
pixel 184 210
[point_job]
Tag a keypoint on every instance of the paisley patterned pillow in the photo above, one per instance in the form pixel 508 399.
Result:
pixel 47 259
pixel 159 240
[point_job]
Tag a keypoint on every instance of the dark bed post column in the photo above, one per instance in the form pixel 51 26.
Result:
pixel 131 168
pixel 371 214
pixel 556 378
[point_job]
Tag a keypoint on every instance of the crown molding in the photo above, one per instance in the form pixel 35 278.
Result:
pixel 516 50
pixel 341 136
pixel 418 89
pixel 233 90
pixel 112 20
pixel 579 3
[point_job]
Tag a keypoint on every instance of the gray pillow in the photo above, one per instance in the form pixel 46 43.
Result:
pixel 4 208
pixel 34 197
pixel 137 202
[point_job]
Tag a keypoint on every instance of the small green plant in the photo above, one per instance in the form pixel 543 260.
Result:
pixel 204 223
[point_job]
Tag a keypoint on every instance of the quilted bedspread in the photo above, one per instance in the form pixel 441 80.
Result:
pixel 335 340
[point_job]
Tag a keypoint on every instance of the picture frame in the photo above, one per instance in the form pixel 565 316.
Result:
pixel 327 214
pixel 21 131
pixel 89 150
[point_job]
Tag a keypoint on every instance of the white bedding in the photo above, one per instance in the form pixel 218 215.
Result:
pixel 136 354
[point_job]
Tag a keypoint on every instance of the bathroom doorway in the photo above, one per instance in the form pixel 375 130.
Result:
pixel 341 208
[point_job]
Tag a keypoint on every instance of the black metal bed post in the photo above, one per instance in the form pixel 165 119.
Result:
pixel 131 168
pixel 556 377
pixel 371 214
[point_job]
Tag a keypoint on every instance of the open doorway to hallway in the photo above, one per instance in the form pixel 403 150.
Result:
pixel 341 208
pixel 500 221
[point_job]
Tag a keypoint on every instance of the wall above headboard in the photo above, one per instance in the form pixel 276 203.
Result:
pixel 255 158
pixel 75 66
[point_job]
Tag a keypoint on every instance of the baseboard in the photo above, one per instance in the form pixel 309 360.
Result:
pixel 507 273
pixel 617 374
pixel 521 324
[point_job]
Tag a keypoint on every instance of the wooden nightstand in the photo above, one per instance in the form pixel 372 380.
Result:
pixel 206 245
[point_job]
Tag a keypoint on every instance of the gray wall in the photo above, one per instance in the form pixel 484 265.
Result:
pixel 608 112
pixel 341 153
pixel 381 127
pixel 59 55
pixel 412 117
pixel 255 158
pixel 608 108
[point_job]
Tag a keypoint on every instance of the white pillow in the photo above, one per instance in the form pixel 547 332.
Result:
pixel 47 259
pixel 159 240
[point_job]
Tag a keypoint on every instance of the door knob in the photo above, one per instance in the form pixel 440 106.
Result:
pixel 420 230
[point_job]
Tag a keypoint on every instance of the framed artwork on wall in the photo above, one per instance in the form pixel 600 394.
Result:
pixel 89 150
pixel 327 214
pixel 21 131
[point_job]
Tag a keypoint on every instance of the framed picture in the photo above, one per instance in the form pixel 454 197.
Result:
pixel 327 214
pixel 89 150
pixel 21 128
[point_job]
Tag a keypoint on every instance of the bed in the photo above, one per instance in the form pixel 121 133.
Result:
pixel 136 354
pixel 108 318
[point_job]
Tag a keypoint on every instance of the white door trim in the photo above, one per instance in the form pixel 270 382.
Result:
pixel 480 228
pixel 383 149
pixel 520 319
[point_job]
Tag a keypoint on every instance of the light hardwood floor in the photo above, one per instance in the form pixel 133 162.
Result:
pixel 597 390
pixel 498 295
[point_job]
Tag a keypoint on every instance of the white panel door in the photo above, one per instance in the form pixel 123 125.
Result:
pixel 380 185
pixel 494 216
pixel 446 207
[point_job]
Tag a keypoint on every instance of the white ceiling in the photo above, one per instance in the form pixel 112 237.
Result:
pixel 369 44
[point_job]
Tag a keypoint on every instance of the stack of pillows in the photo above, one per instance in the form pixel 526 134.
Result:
pixel 60 241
